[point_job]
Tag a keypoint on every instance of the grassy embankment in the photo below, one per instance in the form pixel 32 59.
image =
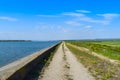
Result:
pixel 100 69
pixel 109 43
pixel 104 48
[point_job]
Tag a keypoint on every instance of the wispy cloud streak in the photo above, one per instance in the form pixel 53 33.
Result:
pixel 8 18
pixel 83 11
pixel 47 15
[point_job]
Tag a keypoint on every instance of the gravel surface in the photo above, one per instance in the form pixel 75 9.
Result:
pixel 64 66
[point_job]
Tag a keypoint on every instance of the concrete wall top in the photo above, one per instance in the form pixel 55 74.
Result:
pixel 8 70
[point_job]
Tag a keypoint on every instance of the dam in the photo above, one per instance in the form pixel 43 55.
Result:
pixel 20 68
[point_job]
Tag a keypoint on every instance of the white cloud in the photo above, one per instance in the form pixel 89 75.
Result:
pixel 83 11
pixel 91 20
pixel 82 17
pixel 73 23
pixel 47 15
pixel 88 27
pixel 8 18
pixel 73 14
pixel 79 17
pixel 109 16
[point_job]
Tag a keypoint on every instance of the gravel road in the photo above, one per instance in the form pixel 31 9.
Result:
pixel 64 66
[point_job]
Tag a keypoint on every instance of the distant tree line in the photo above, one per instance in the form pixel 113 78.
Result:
pixel 15 40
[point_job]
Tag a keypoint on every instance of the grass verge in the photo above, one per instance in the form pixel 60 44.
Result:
pixel 100 69
pixel 112 52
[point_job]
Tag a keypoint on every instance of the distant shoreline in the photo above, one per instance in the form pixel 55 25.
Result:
pixel 15 41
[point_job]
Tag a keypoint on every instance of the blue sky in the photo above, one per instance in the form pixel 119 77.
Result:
pixel 59 19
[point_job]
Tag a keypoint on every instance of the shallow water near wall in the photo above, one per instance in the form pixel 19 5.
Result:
pixel 12 51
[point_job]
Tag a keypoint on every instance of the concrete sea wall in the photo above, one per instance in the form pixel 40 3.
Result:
pixel 20 68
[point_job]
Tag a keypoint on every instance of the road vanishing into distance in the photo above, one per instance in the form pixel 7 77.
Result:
pixel 64 66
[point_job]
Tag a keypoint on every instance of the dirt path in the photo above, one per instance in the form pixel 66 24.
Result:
pixel 77 70
pixel 64 66
pixel 55 71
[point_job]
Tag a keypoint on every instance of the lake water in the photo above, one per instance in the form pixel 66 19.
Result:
pixel 11 51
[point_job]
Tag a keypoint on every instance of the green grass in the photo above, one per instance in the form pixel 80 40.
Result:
pixel 101 47
pixel 100 69
pixel 109 43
